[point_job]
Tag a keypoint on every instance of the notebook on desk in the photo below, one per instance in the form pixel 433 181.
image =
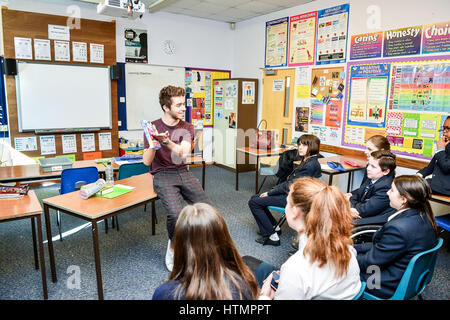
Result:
pixel 119 190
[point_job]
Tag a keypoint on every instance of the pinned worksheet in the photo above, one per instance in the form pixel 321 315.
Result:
pixel 69 143
pixel 104 141
pixel 62 50
pixel 79 51
pixel 48 145
pixel 87 142
pixel 25 144
pixel 97 53
pixel 22 47
pixel 42 49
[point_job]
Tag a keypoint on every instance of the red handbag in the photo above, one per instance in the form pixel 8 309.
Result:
pixel 263 139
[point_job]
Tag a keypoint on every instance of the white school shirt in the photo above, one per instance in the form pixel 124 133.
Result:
pixel 299 280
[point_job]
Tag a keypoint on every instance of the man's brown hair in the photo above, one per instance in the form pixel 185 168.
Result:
pixel 167 93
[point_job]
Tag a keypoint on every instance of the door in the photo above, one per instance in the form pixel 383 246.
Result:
pixel 278 105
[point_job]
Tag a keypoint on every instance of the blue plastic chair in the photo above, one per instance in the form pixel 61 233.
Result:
pixel 268 172
pixel 132 169
pixel 71 180
pixel 361 291
pixel 417 275
pixel 127 170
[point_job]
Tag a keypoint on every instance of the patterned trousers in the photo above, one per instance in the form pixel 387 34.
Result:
pixel 172 186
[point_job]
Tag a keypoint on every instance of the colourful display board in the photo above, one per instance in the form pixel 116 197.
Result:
pixel 406 99
pixel 199 95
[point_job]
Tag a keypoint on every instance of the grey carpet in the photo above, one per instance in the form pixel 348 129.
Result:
pixel 132 259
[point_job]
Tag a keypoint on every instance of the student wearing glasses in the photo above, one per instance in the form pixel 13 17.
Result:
pixel 439 167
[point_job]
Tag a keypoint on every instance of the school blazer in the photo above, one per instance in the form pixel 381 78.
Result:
pixel 439 168
pixel 308 168
pixel 375 201
pixel 393 247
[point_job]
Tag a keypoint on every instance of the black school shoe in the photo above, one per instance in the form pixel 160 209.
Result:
pixel 269 242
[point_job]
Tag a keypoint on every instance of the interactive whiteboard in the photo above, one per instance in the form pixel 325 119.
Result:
pixel 60 96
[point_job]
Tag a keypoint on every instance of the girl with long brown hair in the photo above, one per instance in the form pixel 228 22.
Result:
pixel 410 230
pixel 207 265
pixel 325 266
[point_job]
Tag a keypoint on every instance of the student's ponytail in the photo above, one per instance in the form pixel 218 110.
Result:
pixel 328 222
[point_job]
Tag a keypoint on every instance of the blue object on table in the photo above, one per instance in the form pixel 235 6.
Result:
pixel 129 157
pixel 335 165
pixel 443 221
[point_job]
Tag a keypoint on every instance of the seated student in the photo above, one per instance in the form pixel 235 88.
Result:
pixel 439 166
pixel 308 147
pixel 286 163
pixel 207 265
pixel 410 230
pixel 370 202
pixel 375 143
pixel 325 266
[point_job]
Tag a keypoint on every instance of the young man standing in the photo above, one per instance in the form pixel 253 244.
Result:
pixel 172 180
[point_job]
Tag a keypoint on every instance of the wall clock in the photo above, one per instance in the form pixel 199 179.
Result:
pixel 169 47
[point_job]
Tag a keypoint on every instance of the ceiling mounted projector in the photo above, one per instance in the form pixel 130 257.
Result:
pixel 130 9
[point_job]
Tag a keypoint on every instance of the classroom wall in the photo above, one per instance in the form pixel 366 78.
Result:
pixel 200 43
pixel 249 40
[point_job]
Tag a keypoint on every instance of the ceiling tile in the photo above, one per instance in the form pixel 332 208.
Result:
pixel 211 8
pixel 258 7
pixel 228 3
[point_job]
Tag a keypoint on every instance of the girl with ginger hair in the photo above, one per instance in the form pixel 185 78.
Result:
pixel 325 265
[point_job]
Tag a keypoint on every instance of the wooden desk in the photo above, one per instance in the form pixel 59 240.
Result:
pixel 440 199
pixel 33 172
pixel 258 153
pixel 23 208
pixel 348 169
pixel 97 208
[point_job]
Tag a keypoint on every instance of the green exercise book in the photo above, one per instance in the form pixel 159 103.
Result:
pixel 119 190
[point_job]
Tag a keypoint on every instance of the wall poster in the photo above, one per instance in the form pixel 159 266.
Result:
pixel 332 32
pixel 276 42
pixel 135 45
pixel 302 39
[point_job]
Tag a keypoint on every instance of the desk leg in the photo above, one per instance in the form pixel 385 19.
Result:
pixel 98 267
pixel 350 180
pixel 330 180
pixel 33 233
pixel 203 175
pixel 256 174
pixel 237 173
pixel 153 217
pixel 41 255
pixel 50 242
